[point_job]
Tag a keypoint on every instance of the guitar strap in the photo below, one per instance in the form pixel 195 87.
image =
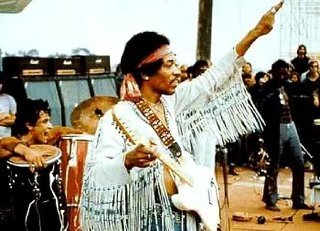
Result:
pixel 161 130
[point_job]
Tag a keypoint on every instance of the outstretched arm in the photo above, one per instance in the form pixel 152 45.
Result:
pixel 56 132
pixel 263 27
pixel 11 145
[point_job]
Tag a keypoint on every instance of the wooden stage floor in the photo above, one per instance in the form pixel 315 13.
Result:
pixel 244 196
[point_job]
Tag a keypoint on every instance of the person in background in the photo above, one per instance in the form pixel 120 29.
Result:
pixel 247 68
pixel 184 73
pixel 199 67
pixel 280 132
pixel 295 77
pixel 249 80
pixel 301 61
pixel 310 90
pixel 261 80
pixel 8 110
pixel 126 186
pixel 310 80
pixel 248 71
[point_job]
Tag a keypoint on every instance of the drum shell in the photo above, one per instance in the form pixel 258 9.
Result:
pixel 74 149
pixel 6 206
pixel 22 182
pixel 37 197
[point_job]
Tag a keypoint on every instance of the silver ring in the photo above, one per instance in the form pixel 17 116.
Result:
pixel 149 156
pixel 273 10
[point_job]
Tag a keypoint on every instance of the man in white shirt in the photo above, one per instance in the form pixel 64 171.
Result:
pixel 8 109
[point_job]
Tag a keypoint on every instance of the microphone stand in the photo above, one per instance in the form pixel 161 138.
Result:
pixel 223 152
pixel 314 185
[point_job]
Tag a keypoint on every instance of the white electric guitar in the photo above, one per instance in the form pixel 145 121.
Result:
pixel 195 184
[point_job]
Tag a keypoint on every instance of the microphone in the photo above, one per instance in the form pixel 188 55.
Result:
pixel 284 219
pixel 261 219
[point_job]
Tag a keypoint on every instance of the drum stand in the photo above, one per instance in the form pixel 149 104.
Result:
pixel 259 159
pixel 314 216
pixel 314 184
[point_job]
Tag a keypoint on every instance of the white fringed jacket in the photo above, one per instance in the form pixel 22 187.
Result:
pixel 116 199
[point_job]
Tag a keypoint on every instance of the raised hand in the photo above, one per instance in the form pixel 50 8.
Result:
pixel 265 24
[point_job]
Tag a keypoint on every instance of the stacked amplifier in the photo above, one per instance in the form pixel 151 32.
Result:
pixel 25 66
pixel 43 66
pixel 63 82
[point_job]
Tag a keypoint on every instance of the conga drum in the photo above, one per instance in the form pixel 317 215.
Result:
pixel 74 148
pixel 37 196
pixel 50 154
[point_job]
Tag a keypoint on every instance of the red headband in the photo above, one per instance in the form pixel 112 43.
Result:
pixel 160 53
pixel 129 88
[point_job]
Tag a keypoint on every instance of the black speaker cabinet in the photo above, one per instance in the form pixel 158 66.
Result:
pixel 95 65
pixel 66 66
pixel 25 66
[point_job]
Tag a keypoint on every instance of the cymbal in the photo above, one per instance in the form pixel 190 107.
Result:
pixel 86 115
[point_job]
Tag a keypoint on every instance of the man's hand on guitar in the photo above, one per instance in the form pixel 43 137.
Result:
pixel 141 156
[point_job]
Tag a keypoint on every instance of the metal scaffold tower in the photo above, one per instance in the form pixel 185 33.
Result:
pixel 300 24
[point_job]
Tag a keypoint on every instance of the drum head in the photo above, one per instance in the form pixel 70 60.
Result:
pixel 87 137
pixel 50 154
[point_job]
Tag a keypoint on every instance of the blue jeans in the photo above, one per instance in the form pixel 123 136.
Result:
pixel 288 138
pixel 179 218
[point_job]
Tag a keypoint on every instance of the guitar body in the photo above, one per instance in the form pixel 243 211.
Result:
pixel 201 197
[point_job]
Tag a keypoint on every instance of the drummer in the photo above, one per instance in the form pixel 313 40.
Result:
pixel 33 126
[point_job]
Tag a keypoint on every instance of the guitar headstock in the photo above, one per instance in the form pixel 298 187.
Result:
pixel 128 133
pixel 123 128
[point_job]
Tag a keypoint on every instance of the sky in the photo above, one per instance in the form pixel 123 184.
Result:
pixel 104 26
